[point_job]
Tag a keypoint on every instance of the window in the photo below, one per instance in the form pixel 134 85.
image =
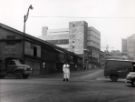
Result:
pixel 73 25
pixel 61 41
pixel 35 51
pixel 73 41
pixel 43 64
pixel 11 62
pixel 73 47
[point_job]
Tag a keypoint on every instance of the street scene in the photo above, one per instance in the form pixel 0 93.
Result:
pixel 67 51
pixel 89 87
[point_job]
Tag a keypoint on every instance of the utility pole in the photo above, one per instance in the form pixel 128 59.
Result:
pixel 26 17
pixel 24 30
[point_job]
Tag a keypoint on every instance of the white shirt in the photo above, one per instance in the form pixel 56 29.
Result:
pixel 66 68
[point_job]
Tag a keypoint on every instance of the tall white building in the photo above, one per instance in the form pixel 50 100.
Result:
pixel 124 46
pixel 128 46
pixel 76 38
pixel 59 37
pixel 93 37
pixel 131 46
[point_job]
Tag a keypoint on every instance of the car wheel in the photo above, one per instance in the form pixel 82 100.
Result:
pixel 114 78
pixel 25 76
pixel 133 83
pixel 18 74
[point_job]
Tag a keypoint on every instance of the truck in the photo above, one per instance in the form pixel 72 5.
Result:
pixel 117 68
pixel 15 67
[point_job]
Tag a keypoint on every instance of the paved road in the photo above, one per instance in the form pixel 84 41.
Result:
pixel 87 88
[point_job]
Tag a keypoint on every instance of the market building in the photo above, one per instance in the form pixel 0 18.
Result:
pixel 42 56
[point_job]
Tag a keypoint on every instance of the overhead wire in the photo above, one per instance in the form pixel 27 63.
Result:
pixel 83 17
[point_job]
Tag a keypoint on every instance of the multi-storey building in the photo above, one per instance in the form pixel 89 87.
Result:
pixel 59 37
pixel 93 38
pixel 128 46
pixel 124 46
pixel 131 46
pixel 78 38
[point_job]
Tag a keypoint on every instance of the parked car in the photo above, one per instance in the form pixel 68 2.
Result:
pixel 16 68
pixel 131 77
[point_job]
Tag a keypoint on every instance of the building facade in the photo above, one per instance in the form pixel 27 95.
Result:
pixel 42 56
pixel 93 38
pixel 124 46
pixel 128 47
pixel 78 38
pixel 59 37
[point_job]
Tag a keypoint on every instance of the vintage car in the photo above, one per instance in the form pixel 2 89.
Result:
pixel 16 68
pixel 130 78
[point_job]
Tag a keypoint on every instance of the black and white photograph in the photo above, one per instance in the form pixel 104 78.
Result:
pixel 67 50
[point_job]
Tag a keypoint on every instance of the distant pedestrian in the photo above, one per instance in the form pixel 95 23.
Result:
pixel 66 71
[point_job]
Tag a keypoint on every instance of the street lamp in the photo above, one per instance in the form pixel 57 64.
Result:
pixel 24 29
pixel 26 17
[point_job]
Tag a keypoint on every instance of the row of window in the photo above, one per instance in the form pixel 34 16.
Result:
pixel 62 41
pixel 95 35
pixel 91 41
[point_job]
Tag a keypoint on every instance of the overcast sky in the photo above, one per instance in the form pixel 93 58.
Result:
pixel 115 19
